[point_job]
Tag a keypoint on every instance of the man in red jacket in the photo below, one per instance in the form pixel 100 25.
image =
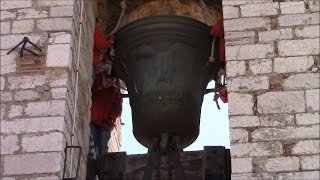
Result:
pixel 105 110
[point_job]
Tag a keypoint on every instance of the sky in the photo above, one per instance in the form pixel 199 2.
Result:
pixel 214 127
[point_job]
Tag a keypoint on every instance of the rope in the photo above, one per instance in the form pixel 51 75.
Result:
pixel 123 5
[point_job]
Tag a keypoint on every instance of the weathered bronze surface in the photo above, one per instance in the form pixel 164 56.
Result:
pixel 164 63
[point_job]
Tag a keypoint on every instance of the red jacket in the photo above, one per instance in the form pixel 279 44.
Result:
pixel 100 42
pixel 218 31
pixel 106 104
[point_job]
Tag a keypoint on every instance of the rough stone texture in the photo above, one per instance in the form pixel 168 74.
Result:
pixel 246 24
pixel 256 149
pixel 306 147
pixel 248 83
pixel 307 31
pixel 15 111
pixel 54 24
pixel 292 7
pixel 47 142
pixel 236 38
pixel 61 11
pixel 277 120
pixel 242 52
pixel 312 97
pixel 293 64
pixel 26 95
pixel 50 108
pixel 298 47
pixel 275 35
pixel 298 19
pixel 265 9
pixel 5 27
pixel 22 26
pixel 239 135
pixel 31 13
pixel 282 164
pixel 244 121
pixel 281 102
pixel 15 4
pixel 9 144
pixel 231 12
pixel 299 175
pixel 307 118
pixel 241 165
pixel 298 81
pixel 241 104
pixel 314 6
pixel 41 163
pixel 237 68
pixel 310 162
pixel 260 66
pixel 274 134
pixel 63 60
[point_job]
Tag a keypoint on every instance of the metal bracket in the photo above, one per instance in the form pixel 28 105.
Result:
pixel 24 42
pixel 65 162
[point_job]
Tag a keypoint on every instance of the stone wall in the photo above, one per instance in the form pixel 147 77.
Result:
pixel 38 93
pixel 273 71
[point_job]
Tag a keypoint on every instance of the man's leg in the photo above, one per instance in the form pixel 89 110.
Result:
pixel 92 162
pixel 104 136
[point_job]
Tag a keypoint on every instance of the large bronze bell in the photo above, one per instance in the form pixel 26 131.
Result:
pixel 163 61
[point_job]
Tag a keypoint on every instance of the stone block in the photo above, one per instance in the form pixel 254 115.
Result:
pixel 5 96
pixel 8 64
pixel 312 175
pixel 312 98
pixel 242 52
pixel 293 64
pixel 15 4
pixel 308 118
pixel 306 147
pixel 244 121
pixel 33 125
pixel 59 93
pixel 41 163
pixel 307 31
pixel 2 83
pixel 236 68
pixel 31 14
pixel 240 104
pixel 9 144
pixel 7 15
pixel 5 28
pixel 230 12
pixel 237 38
pixel 265 9
pixel 55 3
pixel 314 5
pixel 59 80
pixel 46 108
pixel 273 134
pixel 282 164
pixel 3 111
pixel 55 24
pixel 26 82
pixel 9 41
pixel 63 60
pixel 60 38
pixel 238 135
pixel 310 162
pixel 242 165
pixel 15 111
pixel 62 11
pixel 260 66
pixel 241 24
pixel 272 35
pixel 277 120
pixel 248 83
pixel 281 102
pixel 299 81
pixel 45 142
pixel 298 19
pixel 240 2
pixel 256 149
pixel 298 47
pixel 26 95
pixel 292 7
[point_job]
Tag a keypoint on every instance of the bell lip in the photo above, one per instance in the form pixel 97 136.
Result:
pixel 162 19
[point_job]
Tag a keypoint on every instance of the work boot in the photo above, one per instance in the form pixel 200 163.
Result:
pixel 91 169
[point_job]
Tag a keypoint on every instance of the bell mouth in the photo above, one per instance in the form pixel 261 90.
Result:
pixel 163 61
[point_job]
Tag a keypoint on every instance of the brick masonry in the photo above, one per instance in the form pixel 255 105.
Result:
pixel 273 68
pixel 37 93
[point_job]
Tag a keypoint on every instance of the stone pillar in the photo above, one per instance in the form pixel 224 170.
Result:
pixel 37 93
pixel 272 50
